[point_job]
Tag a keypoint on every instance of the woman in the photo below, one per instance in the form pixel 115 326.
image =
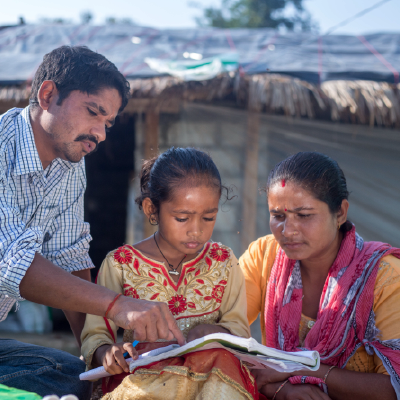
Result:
pixel 319 286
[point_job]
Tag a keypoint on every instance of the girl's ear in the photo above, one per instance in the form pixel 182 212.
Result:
pixel 148 208
pixel 342 214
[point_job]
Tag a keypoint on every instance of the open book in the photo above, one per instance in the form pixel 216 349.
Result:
pixel 252 353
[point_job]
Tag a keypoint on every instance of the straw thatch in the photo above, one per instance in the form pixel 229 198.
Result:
pixel 361 102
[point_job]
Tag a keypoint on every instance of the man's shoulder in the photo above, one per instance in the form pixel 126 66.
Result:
pixel 7 126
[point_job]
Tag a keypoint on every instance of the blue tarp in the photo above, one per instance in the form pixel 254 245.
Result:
pixel 303 55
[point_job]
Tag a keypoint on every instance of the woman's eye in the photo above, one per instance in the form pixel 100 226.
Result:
pixel 278 216
pixel 209 219
pixel 304 215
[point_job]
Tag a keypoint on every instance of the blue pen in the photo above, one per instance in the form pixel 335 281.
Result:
pixel 134 344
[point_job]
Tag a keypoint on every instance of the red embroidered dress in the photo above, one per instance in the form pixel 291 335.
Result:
pixel 210 290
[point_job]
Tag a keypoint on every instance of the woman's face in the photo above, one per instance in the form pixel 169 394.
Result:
pixel 303 225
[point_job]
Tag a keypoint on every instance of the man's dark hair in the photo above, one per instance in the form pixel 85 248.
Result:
pixel 78 68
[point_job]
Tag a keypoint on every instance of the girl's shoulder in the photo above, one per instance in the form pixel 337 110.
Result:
pixel 218 252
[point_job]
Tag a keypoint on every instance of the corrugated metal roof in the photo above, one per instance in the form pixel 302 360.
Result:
pixel 303 55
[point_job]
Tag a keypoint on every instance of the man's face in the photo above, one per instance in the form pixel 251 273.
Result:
pixel 76 127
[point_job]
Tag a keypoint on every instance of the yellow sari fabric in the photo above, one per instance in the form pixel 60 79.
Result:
pixel 256 264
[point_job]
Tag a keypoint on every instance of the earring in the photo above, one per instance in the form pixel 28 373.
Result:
pixel 153 220
pixel 338 227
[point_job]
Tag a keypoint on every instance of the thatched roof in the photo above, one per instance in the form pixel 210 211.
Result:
pixel 362 102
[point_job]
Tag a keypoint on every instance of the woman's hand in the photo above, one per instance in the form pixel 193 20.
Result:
pixel 293 392
pixel 203 330
pixel 267 376
pixel 301 392
pixel 112 359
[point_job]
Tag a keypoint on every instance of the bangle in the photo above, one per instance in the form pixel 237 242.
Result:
pixel 112 304
pixel 279 388
pixel 327 373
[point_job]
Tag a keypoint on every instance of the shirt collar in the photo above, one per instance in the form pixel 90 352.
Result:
pixel 27 158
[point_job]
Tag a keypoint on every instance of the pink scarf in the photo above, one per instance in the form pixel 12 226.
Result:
pixel 345 318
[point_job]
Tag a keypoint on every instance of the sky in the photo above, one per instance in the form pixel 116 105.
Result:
pixel 181 14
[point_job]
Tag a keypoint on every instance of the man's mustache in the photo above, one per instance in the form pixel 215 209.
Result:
pixel 90 138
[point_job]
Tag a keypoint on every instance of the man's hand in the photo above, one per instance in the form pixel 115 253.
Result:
pixel 112 359
pixel 149 320
pixel 203 330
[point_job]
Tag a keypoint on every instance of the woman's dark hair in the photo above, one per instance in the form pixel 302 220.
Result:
pixel 316 173
pixel 78 68
pixel 177 167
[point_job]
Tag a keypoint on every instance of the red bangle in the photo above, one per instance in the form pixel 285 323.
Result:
pixel 112 304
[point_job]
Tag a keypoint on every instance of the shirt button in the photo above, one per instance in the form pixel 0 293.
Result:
pixel 47 237
pixel 311 324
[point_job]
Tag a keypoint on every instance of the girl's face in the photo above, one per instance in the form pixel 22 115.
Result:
pixel 186 222
pixel 303 225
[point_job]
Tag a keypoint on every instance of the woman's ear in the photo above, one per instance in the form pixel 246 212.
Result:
pixel 149 209
pixel 342 213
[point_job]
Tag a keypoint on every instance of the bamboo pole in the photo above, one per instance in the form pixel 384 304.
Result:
pixel 250 185
pixel 151 134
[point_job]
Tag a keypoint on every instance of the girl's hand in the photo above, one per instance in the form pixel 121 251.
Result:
pixel 203 330
pixel 267 376
pixel 112 359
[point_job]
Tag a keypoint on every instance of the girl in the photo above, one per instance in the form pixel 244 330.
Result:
pixel 200 281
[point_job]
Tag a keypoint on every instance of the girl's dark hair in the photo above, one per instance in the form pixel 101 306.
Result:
pixel 177 167
pixel 316 173
pixel 78 68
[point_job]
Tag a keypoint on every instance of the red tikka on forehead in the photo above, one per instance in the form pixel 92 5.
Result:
pixel 283 183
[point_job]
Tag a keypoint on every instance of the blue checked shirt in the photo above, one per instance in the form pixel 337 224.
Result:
pixel 41 211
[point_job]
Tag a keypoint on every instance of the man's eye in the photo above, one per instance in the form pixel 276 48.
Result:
pixel 181 219
pixel 278 216
pixel 92 112
pixel 209 219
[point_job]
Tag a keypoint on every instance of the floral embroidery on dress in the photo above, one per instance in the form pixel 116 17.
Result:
pixel 130 291
pixel 123 256
pixel 218 253
pixel 177 304
pixel 199 292
pixel 218 292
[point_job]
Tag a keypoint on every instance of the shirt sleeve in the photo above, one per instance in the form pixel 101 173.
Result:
pixel 98 331
pixel 386 304
pixel 67 243
pixel 233 304
pixel 18 245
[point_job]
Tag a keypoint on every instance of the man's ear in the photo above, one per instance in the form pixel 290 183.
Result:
pixel 148 208
pixel 47 94
pixel 342 214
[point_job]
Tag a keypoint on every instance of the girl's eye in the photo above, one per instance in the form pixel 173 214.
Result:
pixel 92 112
pixel 181 219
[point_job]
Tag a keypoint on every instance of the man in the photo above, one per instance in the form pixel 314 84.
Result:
pixel 76 96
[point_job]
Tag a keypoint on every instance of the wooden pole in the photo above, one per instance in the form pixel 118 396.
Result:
pixel 250 184
pixel 150 150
